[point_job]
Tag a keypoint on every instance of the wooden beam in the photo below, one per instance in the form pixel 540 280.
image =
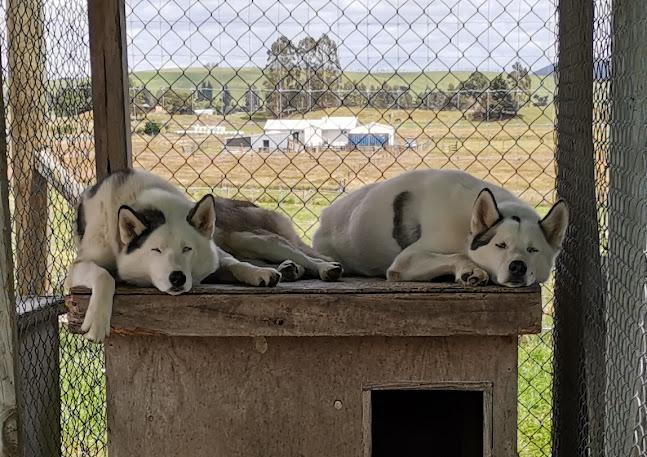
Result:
pixel 626 418
pixel 10 442
pixel 578 408
pixel 27 110
pixel 110 99
pixel 353 307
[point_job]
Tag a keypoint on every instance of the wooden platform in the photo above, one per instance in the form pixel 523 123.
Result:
pixel 351 307
pixel 304 369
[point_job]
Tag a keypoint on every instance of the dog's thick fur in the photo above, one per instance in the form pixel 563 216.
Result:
pixel 425 224
pixel 138 228
pixel 268 238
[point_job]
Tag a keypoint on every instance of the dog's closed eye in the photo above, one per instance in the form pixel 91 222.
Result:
pixel 187 249
pixel 532 250
pixel 156 250
pixel 501 245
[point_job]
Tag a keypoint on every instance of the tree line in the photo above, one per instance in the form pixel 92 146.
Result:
pixel 305 76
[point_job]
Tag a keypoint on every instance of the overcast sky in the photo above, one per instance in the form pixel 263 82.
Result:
pixel 380 35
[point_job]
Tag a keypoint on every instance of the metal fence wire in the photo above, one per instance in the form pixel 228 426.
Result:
pixel 288 104
pixel 601 339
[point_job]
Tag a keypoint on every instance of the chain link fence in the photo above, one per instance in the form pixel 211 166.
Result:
pixel 47 93
pixel 288 104
pixel 601 340
pixel 293 104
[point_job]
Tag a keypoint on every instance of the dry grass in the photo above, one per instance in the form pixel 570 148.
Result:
pixel 514 153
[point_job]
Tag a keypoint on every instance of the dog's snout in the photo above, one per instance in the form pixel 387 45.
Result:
pixel 177 278
pixel 518 268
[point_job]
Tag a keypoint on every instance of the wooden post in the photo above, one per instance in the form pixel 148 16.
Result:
pixel 10 443
pixel 579 287
pixel 625 408
pixel 27 91
pixel 110 96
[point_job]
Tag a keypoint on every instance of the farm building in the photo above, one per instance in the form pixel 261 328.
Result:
pixel 263 142
pixel 327 131
pixel 372 134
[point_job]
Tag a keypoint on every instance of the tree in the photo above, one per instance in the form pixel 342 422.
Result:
pixel 540 100
pixel 71 98
pixel 253 101
pixel 501 102
pixel 176 101
pixel 205 92
pixel 328 71
pixel 226 99
pixel 472 91
pixel 282 77
pixel 520 82
pixel 432 100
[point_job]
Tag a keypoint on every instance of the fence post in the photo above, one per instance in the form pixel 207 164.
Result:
pixel 27 91
pixel 10 439
pixel 110 99
pixel 579 365
pixel 625 408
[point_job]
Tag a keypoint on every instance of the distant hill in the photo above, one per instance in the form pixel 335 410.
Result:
pixel 545 71
pixel 238 80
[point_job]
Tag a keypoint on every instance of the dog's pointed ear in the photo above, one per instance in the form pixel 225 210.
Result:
pixel 130 225
pixel 485 213
pixel 203 215
pixel 555 223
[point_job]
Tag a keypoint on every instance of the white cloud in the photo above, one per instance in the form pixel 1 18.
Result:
pixel 374 34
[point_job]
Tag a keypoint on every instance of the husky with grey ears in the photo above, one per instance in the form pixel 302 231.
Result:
pixel 425 224
pixel 139 228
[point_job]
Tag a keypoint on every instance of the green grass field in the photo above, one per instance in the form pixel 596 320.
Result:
pixel 238 80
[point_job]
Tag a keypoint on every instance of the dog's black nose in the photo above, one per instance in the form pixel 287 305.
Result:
pixel 177 278
pixel 518 268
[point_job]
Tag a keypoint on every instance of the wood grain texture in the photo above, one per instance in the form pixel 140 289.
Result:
pixel 111 102
pixel 301 397
pixel 10 445
pixel 315 308
pixel 27 110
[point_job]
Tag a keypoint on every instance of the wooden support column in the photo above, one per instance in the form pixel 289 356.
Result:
pixel 625 408
pixel 110 98
pixel 579 285
pixel 9 406
pixel 27 91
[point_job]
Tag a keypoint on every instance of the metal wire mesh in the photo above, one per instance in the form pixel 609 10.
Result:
pixel 46 68
pixel 290 105
pixel 293 104
pixel 600 383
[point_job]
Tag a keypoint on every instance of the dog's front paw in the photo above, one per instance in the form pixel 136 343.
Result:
pixel 290 271
pixel 472 276
pixel 393 275
pixel 266 277
pixel 96 327
pixel 331 272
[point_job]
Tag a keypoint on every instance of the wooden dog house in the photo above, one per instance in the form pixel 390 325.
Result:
pixel 357 368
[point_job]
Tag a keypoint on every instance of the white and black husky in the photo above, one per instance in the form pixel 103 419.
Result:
pixel 426 224
pixel 138 228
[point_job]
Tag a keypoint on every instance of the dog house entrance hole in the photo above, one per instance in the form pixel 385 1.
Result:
pixel 429 423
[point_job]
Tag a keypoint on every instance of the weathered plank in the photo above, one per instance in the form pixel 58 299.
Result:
pixel 295 396
pixel 315 308
pixel 27 111
pixel 9 406
pixel 345 286
pixel 110 98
